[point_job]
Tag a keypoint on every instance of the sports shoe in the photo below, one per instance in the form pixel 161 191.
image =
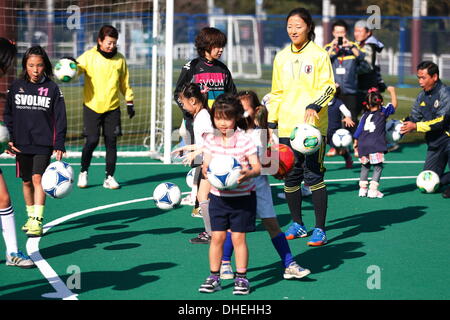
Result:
pixel 446 193
pixel 197 213
pixel 374 194
pixel 226 271
pixel 392 147
pixel 19 259
pixel 26 226
pixel 295 271
pixel 241 286
pixel 35 228
pixel 363 192
pixel 187 201
pixel 211 284
pixel 331 153
pixel 202 238
pixel 82 179
pixel 318 238
pixel 110 183
pixel 296 231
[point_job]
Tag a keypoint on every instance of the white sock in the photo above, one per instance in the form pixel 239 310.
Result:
pixel 8 225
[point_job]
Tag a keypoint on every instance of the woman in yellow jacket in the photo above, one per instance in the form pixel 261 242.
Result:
pixel 302 86
pixel 106 74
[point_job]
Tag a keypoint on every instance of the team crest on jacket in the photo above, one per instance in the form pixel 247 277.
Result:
pixel 436 104
pixel 308 69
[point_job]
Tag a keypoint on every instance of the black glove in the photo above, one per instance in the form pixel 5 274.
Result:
pixel 130 109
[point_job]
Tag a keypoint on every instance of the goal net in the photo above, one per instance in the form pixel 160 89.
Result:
pixel 69 28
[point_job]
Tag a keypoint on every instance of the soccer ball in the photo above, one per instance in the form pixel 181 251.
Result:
pixel 4 137
pixel 427 181
pixel 57 180
pixel 393 131
pixel 342 138
pixel 286 159
pixel 65 70
pixel 223 172
pixel 306 139
pixel 190 178
pixel 167 195
pixel 266 100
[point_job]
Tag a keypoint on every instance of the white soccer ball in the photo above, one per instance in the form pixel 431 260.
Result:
pixel 65 70
pixel 167 195
pixel 342 138
pixel 190 178
pixel 428 181
pixel 4 134
pixel 393 131
pixel 266 100
pixel 57 180
pixel 306 139
pixel 223 172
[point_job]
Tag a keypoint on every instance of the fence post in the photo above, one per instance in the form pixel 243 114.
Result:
pixel 401 53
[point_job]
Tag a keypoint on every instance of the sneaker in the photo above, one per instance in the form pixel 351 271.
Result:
pixel 306 191
pixel 374 194
pixel 82 179
pixel 19 259
pixel 349 163
pixel 331 153
pixel 35 228
pixel 392 147
pixel 26 226
pixel 110 183
pixel 446 193
pixel 241 286
pixel 211 284
pixel 318 238
pixel 296 231
pixel 226 271
pixel 295 271
pixel 187 201
pixel 197 213
pixel 202 238
pixel 363 192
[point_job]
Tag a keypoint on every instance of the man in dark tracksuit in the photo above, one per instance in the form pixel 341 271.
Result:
pixel 428 115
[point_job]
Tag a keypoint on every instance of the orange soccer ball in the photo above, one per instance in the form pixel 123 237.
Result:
pixel 286 159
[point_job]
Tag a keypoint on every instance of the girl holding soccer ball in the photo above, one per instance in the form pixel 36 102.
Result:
pixel 234 209
pixel 35 115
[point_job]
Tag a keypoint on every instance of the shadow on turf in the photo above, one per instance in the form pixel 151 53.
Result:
pixel 163 177
pixel 119 280
pixel 373 221
pixel 318 260
pixel 65 248
pixel 122 216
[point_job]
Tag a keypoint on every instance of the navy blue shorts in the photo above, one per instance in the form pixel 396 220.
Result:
pixel 235 213
pixel 29 164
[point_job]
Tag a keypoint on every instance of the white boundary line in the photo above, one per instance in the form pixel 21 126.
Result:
pixel 62 291
pixel 160 164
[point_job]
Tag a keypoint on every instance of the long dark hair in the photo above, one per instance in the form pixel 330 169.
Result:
pixel 8 53
pixel 36 51
pixel 306 16
pixel 192 90
pixel 252 97
pixel 228 106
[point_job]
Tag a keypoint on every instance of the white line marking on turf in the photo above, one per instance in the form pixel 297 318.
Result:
pixel 62 291
pixel 47 271
pixel 162 164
